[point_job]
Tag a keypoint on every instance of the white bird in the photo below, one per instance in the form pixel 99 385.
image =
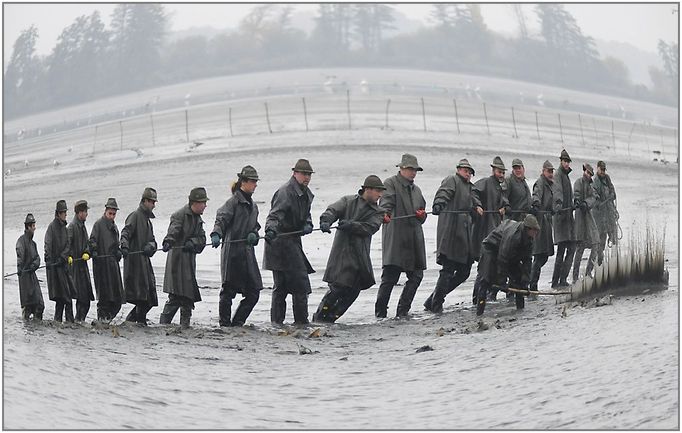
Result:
pixel 138 151
pixel 539 99
pixel 8 172
pixel 55 163
pixel 26 163
pixel 70 149
pixel 193 146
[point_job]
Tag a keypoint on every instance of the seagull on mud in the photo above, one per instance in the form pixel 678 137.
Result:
pixel 56 163
pixel 138 151
pixel 26 163
pixel 193 146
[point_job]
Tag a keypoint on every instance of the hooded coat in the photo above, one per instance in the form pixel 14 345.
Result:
pixel 542 201
pixel 289 212
pixel 80 272
pixel 454 233
pixel 585 227
pixel 181 266
pixel 106 271
pixel 562 194
pixel 235 220
pixel 507 252
pixel 28 261
pixel 349 263
pixel 59 282
pixel 402 240
pixel 138 275
pixel 491 195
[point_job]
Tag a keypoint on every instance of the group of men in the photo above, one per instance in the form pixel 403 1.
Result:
pixel 496 221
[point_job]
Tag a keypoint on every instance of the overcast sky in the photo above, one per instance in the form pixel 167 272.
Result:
pixel 641 25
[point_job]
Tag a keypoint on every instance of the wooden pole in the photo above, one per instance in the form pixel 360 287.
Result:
pixel 580 121
pixel 187 126
pixel 535 292
pixel 423 114
pixel 388 104
pixel 561 130
pixel 516 134
pixel 229 116
pixel 613 135
pixel 630 137
pixel 348 106
pixel 596 135
pixel 454 101
pixel 151 119
pixel 485 113
pixel 120 128
pixel 94 144
pixel 267 117
pixel 305 114
pixel 537 125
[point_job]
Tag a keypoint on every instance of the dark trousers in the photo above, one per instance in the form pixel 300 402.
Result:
pixel 539 261
pixel 139 313
pixel 107 311
pixel 63 307
pixel 451 275
pixel 335 302
pixel 82 308
pixel 35 309
pixel 173 304
pixel 602 246
pixel 249 300
pixel 295 283
pixel 563 261
pixel 579 256
pixel 389 278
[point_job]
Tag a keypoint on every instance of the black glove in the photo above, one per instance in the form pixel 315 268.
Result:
pixel 93 253
pixel 345 225
pixel 149 249
pixel 437 209
pixel 307 229
pixel 19 272
pixel 118 254
pixel 325 227
pixel 252 239
pixel 534 211
pixel 124 251
pixel 215 240
pixel 165 247
pixel 188 247
pixel 270 236
pixel 583 205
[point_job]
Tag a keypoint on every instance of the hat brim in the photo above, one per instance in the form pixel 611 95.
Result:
pixel 383 188
pixel 498 167
pixel 111 207
pixel 302 171
pixel 418 168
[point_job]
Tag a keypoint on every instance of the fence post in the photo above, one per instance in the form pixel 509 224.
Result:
pixel 423 114
pixel 94 144
pixel 582 135
pixel 229 116
pixel 305 114
pixel 537 125
pixel 630 137
pixel 151 118
pixel 267 117
pixel 454 101
pixel 388 104
pixel 596 134
pixel 187 126
pixel 613 136
pixel 348 106
pixel 120 128
pixel 561 130
pixel 485 113
pixel 516 134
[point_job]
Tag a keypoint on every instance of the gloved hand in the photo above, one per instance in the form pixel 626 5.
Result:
pixel 325 227
pixel 119 253
pixel 19 272
pixel 437 209
pixel 149 249
pixel 420 214
pixel 534 211
pixel 270 235
pixel 387 218
pixel 576 204
pixel 252 239
pixel 124 251
pixel 165 247
pixel 85 256
pixel 93 253
pixel 215 240
pixel 69 260
pixel 583 205
pixel 345 225
pixel 188 247
pixel 307 229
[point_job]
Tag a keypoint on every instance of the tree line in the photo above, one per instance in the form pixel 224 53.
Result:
pixel 91 61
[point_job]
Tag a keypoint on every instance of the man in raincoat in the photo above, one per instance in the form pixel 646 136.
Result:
pixel 28 261
pixel 57 254
pixel 543 246
pixel 586 232
pixel 605 212
pixel 80 273
pixel 563 221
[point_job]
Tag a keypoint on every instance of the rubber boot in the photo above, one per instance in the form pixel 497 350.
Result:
pixel 185 316
pixel 278 307
pixel 26 312
pixel 480 307
pixel 556 275
pixel 141 315
pixel 225 311
pixel 58 311
pixel 244 309
pixel 520 301
pixel 38 313
pixel 132 315
pixel 167 314
pixel 300 306
pixel 68 312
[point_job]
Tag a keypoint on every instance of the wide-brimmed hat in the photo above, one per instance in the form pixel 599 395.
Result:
pixel 80 205
pixel 587 167
pixel 61 206
pixel 111 204
pixel 248 172
pixel 564 155
pixel 149 194
pixel 303 166
pixel 531 222
pixel 601 164
pixel 547 165
pixel 198 194
pixel 517 163
pixel 373 181
pixel 409 161
pixel 29 219
pixel 464 163
pixel 497 163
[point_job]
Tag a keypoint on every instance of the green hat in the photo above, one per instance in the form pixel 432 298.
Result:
pixel 80 205
pixel 517 163
pixel 531 222
pixel 564 155
pixel 149 194
pixel 497 163
pixel 587 167
pixel 303 166
pixel 111 204
pixel 409 161
pixel 373 181
pixel 30 219
pixel 547 166
pixel 464 163
pixel 601 164
pixel 248 172
pixel 61 206
pixel 198 195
